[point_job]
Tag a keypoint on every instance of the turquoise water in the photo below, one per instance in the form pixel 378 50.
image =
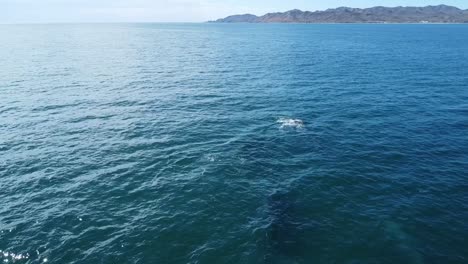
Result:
pixel 207 143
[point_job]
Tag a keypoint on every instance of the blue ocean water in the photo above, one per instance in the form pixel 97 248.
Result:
pixel 208 143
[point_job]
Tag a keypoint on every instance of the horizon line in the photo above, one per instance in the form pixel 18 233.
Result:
pixel 208 23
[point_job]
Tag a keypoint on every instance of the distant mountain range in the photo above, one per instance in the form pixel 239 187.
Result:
pixel 379 14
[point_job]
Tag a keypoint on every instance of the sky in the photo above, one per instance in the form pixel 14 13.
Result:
pixel 56 11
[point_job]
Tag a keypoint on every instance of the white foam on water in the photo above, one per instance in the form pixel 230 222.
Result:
pixel 290 122
pixel 7 256
pixel 210 157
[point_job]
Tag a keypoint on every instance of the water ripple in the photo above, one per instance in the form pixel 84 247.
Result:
pixel 179 143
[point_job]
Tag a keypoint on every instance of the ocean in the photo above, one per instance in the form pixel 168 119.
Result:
pixel 233 143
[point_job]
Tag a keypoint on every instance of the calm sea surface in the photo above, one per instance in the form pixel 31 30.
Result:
pixel 212 144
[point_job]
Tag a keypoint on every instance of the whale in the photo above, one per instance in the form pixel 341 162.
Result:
pixel 282 232
pixel 403 242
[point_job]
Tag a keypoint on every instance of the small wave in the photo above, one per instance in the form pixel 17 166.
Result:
pixel 290 122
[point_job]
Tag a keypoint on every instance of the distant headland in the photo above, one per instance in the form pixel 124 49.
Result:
pixel 378 14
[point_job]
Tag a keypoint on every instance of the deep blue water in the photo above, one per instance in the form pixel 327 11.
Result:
pixel 207 143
